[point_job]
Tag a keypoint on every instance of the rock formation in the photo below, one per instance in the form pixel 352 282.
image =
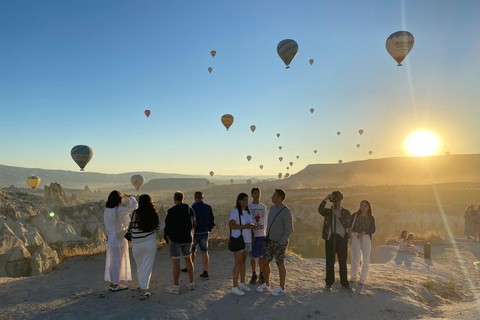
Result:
pixel 56 195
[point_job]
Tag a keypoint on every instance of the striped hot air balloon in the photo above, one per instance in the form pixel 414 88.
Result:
pixel 81 155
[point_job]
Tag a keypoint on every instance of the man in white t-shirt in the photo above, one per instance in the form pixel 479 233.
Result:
pixel 259 214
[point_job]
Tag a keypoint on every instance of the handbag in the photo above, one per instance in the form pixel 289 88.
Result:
pixel 120 234
pixel 236 244
pixel 267 238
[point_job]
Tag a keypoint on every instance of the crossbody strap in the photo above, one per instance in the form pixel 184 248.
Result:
pixel 239 218
pixel 274 220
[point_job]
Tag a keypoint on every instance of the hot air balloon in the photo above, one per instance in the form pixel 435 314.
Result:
pixel 312 110
pixel 210 69
pixel 338 133
pixel 211 173
pixel 213 53
pixel 261 166
pixel 33 181
pixel 448 153
pixel 287 50
pixel 278 135
pixel 207 182
pixel 399 45
pixel 249 158
pixel 281 158
pixel 147 113
pixel 311 61
pixel 360 131
pixel 348 175
pixel 279 175
pixel 137 181
pixel 249 181
pixel 280 147
pixel 288 168
pixel 315 151
pixel 340 161
pixel 290 163
pixel 370 152
pixel 227 120
pixel 287 175
pixel 358 145
pixel 82 155
pixel 231 181
pixel 298 157
pixel 253 127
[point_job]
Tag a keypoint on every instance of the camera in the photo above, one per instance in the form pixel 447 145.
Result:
pixel 336 196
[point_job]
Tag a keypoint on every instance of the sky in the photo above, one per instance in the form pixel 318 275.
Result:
pixel 83 73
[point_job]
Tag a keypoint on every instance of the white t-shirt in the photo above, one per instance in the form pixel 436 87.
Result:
pixel 259 215
pixel 246 219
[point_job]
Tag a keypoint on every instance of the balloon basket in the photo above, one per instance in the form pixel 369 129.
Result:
pixel 82 169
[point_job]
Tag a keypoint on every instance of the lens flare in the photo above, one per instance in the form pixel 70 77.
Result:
pixel 422 143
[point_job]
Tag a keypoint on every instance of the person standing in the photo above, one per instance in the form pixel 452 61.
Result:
pixel 335 226
pixel 205 223
pixel 363 227
pixel 116 219
pixel 279 230
pixel 144 227
pixel 259 214
pixel 468 222
pixel 179 229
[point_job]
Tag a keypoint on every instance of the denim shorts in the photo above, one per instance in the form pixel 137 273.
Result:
pixel 258 248
pixel 202 240
pixel 178 250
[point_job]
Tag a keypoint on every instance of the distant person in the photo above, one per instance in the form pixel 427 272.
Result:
pixel 241 223
pixel 179 229
pixel 144 227
pixel 279 230
pixel 361 231
pixel 335 226
pixel 205 223
pixel 468 221
pixel 116 219
pixel 402 238
pixel 407 246
pixel 259 214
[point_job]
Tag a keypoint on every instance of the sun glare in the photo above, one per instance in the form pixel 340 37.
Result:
pixel 422 143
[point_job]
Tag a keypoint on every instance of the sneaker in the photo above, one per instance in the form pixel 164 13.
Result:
pixel 118 288
pixel 244 287
pixel 144 296
pixel 348 289
pixel 261 279
pixel 184 270
pixel 190 286
pixel 263 288
pixel 254 278
pixel 204 275
pixel 173 289
pixel 237 291
pixel 328 288
pixel 361 282
pixel 278 292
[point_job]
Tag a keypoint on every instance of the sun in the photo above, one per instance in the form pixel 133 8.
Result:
pixel 422 143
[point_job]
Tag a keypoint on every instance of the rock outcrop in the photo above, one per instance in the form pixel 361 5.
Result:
pixel 43 260
pixel 18 262
pixel 55 195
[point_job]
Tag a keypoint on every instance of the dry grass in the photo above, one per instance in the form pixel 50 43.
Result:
pixel 430 236
pixel 429 284
pixel 87 250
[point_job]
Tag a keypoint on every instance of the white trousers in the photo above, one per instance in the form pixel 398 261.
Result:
pixel 144 254
pixel 360 246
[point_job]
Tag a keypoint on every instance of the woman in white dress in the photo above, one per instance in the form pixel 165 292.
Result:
pixel 144 227
pixel 117 219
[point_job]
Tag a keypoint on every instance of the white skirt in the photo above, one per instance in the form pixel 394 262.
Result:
pixel 117 266
pixel 144 254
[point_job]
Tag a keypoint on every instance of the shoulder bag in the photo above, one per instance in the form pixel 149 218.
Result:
pixel 236 244
pixel 267 239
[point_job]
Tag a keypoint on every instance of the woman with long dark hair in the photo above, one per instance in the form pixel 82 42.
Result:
pixel 361 231
pixel 144 227
pixel 116 219
pixel 241 223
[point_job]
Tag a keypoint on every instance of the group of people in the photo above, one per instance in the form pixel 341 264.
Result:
pixel 405 244
pixel 265 236
pixel 472 222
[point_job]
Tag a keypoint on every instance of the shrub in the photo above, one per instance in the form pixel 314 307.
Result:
pixel 33 248
pixel 86 233
pixel 429 284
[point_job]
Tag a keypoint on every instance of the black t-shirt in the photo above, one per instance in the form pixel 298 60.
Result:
pixel 180 223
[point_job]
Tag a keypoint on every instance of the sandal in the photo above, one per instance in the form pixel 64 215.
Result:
pixel 144 296
pixel 118 288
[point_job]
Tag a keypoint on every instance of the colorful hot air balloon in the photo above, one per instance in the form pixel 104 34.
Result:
pixel 287 175
pixel 340 161
pixel 278 135
pixel 33 181
pixel 287 50
pixel 399 45
pixel 279 175
pixel 358 145
pixel 211 173
pixel 447 153
pixel 338 133
pixel 210 69
pixel 311 61
pixel 348 175
pixel 147 113
pixel 213 53
pixel 249 158
pixel 290 163
pixel 253 127
pixel 137 181
pixel 370 152
pixel 280 147
pixel 298 157
pixel 315 151
pixel 312 110
pixel 280 158
pixel 82 155
pixel 361 131
pixel 231 181
pixel 261 166
pixel 227 120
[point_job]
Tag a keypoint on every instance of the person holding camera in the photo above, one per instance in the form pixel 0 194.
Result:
pixel 279 229
pixel 335 226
